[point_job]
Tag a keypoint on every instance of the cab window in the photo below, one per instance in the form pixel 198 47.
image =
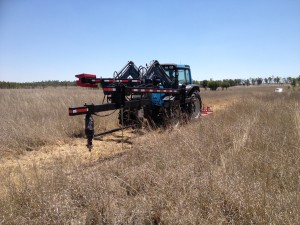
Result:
pixel 184 76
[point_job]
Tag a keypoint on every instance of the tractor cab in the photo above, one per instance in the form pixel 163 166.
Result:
pixel 183 72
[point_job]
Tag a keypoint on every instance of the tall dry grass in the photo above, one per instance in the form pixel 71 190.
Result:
pixel 31 118
pixel 238 166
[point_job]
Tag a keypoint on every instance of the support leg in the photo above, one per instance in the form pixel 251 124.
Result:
pixel 89 130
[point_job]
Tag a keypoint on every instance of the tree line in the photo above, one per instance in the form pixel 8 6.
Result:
pixel 226 83
pixel 211 84
pixel 39 84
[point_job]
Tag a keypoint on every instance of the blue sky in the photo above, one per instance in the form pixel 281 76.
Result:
pixel 219 39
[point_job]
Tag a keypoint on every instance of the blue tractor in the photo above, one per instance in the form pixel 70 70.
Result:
pixel 160 94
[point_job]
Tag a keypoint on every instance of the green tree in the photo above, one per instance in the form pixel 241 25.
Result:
pixel 205 83
pixel 213 85
pixel 247 82
pixel 231 82
pixel 253 81
pixel 270 79
pixel 294 82
pixel 259 81
pixel 237 82
pixel 277 80
pixel 289 80
pixel 39 84
pixel 225 84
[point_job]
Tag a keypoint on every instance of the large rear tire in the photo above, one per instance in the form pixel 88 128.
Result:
pixel 130 118
pixel 196 105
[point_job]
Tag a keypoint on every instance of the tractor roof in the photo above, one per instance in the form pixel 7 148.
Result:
pixel 176 65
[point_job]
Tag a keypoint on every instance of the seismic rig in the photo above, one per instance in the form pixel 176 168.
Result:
pixel 159 94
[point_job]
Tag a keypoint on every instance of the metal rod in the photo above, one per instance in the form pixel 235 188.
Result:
pixel 111 131
pixel 122 118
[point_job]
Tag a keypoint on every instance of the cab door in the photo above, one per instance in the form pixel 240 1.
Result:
pixel 184 76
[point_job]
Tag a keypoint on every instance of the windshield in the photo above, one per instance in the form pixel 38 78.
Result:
pixel 182 76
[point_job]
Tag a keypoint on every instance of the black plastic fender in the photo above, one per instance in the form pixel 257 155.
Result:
pixel 191 88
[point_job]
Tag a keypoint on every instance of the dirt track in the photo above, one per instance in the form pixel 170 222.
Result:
pixel 75 150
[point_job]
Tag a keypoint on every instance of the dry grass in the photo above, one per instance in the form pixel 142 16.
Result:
pixel 238 166
pixel 31 118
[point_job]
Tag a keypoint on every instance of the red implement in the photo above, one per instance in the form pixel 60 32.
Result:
pixel 87 80
pixel 206 110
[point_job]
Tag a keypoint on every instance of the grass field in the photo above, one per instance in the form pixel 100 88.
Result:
pixel 240 165
pixel 31 118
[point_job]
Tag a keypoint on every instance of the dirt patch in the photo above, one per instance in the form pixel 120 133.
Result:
pixel 76 150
